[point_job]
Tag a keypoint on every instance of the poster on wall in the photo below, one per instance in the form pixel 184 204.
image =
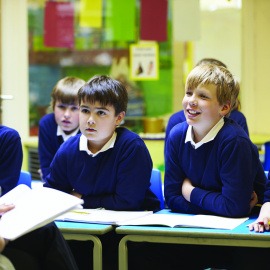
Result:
pixel 144 62
pixel 59 25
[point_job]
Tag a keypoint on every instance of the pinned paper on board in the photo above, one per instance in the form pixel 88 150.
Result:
pixel 120 17
pixel 59 25
pixel 154 20
pixel 144 62
pixel 186 13
pixel 91 13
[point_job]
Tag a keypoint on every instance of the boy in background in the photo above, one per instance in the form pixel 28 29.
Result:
pixel 212 167
pixel 235 114
pixel 107 166
pixel 57 127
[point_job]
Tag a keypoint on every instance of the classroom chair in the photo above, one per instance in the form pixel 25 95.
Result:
pixel 156 186
pixel 266 163
pixel 25 178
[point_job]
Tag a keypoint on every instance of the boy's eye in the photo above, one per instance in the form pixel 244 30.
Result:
pixel 101 113
pixel 61 106
pixel 74 108
pixel 83 110
pixel 204 96
pixel 188 93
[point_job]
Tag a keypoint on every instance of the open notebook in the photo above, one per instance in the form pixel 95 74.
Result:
pixel 102 216
pixel 34 208
pixel 119 218
pixel 181 220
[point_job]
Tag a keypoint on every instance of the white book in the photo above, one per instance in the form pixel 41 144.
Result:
pixel 102 216
pixel 180 220
pixel 34 208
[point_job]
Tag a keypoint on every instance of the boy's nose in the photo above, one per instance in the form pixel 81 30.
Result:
pixel 91 121
pixel 67 113
pixel 193 101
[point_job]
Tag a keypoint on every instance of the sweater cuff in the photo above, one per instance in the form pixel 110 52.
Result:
pixel 197 196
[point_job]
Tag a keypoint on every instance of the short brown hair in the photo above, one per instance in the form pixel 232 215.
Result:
pixel 105 90
pixel 66 90
pixel 227 86
pixel 212 61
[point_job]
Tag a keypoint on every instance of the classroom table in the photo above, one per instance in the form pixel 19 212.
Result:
pixel 239 236
pixel 84 232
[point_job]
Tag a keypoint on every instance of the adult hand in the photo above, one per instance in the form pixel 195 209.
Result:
pixel 3 209
pixel 262 222
pixel 187 188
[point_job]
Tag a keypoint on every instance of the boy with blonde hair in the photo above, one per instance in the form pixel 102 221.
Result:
pixel 211 165
pixel 57 127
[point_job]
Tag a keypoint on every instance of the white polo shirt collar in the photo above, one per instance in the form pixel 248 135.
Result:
pixel 208 137
pixel 60 132
pixel 84 145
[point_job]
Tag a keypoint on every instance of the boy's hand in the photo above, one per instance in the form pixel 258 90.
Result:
pixel 40 174
pixel 187 189
pixel 76 194
pixel 264 218
pixel 253 201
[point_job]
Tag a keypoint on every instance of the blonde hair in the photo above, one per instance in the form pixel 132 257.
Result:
pixel 66 91
pixel 227 86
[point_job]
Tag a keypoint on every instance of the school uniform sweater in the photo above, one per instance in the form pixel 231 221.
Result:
pixel 224 172
pixel 10 158
pixel 179 117
pixel 48 143
pixel 116 179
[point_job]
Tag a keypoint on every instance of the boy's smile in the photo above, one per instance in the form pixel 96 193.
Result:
pixel 202 109
pixel 66 116
pixel 98 123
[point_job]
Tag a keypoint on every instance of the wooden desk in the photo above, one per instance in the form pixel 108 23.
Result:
pixel 84 232
pixel 240 236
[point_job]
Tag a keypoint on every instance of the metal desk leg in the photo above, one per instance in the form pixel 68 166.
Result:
pixel 97 252
pixel 123 253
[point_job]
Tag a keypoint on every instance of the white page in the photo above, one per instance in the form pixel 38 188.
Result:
pixel 203 221
pixel 36 208
pixel 102 216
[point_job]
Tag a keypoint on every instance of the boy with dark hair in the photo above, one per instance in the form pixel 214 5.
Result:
pixel 57 127
pixel 106 166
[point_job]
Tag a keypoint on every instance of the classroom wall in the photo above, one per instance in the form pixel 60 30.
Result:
pixel 14 63
pixel 253 68
pixel 255 64
pixel 221 38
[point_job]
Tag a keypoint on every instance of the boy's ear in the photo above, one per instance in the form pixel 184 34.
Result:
pixel 119 118
pixel 225 108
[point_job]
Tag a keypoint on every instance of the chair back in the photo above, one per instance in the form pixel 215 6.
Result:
pixel 156 186
pixel 266 163
pixel 25 178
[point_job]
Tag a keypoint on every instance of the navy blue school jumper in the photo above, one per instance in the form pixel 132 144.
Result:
pixel 10 158
pixel 224 172
pixel 179 117
pixel 48 143
pixel 44 248
pixel 116 179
